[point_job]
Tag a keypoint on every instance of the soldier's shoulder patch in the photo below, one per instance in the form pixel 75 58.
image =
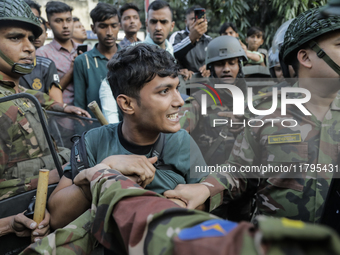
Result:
pixel 286 138
pixel 210 228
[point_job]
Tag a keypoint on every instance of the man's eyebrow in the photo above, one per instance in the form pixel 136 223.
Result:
pixel 166 85
pixel 16 34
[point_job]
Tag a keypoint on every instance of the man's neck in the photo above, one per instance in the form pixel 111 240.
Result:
pixel 107 52
pixel 133 134
pixel 77 41
pixel 163 45
pixel 322 95
pixel 132 37
pixel 65 44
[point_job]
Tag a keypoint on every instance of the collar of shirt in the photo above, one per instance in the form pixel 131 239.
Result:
pixel 58 47
pixel 95 52
pixel 126 42
pixel 168 46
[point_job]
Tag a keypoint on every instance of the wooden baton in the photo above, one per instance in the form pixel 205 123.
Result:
pixel 98 113
pixel 41 197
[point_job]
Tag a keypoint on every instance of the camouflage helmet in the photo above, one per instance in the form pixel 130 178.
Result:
pixel 18 10
pixel 224 47
pixel 303 29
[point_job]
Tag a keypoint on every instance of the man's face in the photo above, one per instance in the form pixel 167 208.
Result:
pixel 254 41
pixel 79 32
pixel 17 44
pixel 159 25
pixel 61 25
pixel 130 21
pixel 226 70
pixel 159 105
pixel 107 31
pixel 330 43
pixel 35 12
pixel 189 20
pixel 41 39
pixel 230 31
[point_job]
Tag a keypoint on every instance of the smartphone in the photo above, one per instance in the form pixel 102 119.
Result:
pixel 199 13
pixel 82 48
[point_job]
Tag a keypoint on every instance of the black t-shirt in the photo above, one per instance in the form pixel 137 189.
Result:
pixel 43 76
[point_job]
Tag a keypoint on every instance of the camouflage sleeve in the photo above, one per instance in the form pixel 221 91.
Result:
pixel 45 100
pixel 189 114
pixel 233 184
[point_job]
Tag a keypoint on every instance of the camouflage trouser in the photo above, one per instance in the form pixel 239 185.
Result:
pixel 125 218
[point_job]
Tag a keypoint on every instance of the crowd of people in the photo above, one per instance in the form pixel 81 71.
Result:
pixel 136 191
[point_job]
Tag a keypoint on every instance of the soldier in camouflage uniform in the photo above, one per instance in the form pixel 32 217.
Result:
pixel 23 147
pixel 127 219
pixel 309 43
pixel 224 60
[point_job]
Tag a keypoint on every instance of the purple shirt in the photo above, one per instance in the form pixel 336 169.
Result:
pixel 63 60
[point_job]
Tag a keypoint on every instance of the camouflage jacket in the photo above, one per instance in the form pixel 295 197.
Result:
pixel 201 127
pixel 22 139
pixel 309 151
pixel 127 219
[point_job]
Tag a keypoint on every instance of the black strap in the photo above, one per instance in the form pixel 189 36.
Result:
pixel 157 150
pixel 322 54
pixel 78 160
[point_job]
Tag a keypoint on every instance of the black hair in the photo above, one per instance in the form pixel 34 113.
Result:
pixel 191 9
pixel 57 7
pixel 75 19
pixel 132 67
pixel 256 31
pixel 43 21
pixel 33 5
pixel 160 4
pixel 126 7
pixel 226 25
pixel 102 12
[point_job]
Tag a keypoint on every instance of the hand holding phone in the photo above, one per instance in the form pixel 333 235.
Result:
pixel 82 48
pixel 199 13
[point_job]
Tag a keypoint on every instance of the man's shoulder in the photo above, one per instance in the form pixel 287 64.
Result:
pixel 44 49
pixel 179 138
pixel 100 134
pixel 43 61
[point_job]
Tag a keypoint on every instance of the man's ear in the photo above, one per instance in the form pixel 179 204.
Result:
pixel 303 57
pixel 126 104
pixel 48 25
pixel 172 26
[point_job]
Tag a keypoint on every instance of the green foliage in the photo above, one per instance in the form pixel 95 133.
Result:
pixel 267 14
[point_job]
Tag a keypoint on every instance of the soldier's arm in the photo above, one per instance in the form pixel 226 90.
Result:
pixel 189 114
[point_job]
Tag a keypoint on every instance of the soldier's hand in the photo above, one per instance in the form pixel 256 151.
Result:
pixel 76 110
pixel 186 74
pixel 236 128
pixel 133 165
pixel 43 229
pixel 204 72
pixel 23 226
pixel 193 195
pixel 178 202
pixel 197 29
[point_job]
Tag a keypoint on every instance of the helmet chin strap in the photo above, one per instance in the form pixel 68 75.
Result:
pixel 17 67
pixel 322 54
